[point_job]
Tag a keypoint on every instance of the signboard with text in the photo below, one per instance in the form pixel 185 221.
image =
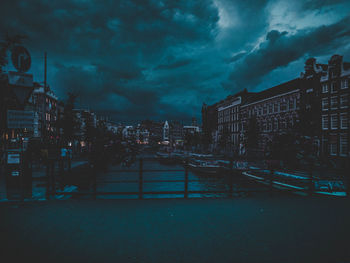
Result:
pixel 13 158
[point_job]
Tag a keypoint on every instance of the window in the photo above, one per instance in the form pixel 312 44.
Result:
pixel 333 148
pixel 325 122
pixel 324 88
pixel 334 102
pixel 333 87
pixel 270 107
pixel 264 126
pixel 283 124
pixel 325 104
pixel 334 121
pixel 343 144
pixel 283 106
pixel 343 121
pixel 344 83
pixel 344 101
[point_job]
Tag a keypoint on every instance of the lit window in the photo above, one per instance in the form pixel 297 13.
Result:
pixel 270 126
pixel 325 122
pixel 344 83
pixel 334 121
pixel 333 87
pixel 343 121
pixel 325 104
pixel 343 144
pixel 324 88
pixel 334 102
pixel 344 101
pixel 333 148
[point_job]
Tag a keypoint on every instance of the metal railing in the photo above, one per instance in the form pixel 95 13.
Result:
pixel 271 182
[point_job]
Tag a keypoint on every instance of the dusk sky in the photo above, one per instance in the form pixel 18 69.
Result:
pixel 134 60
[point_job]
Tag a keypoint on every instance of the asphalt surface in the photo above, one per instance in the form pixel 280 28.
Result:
pixel 269 229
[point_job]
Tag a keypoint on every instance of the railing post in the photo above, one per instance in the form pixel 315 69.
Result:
pixel 53 178
pixel 311 182
pixel 48 180
pixel 186 180
pixel 94 170
pixel 231 178
pixel 69 164
pixel 140 179
pixel 271 181
pixel 21 174
pixel 347 177
pixel 61 173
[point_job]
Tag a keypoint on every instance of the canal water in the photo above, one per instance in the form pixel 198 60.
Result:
pixel 120 179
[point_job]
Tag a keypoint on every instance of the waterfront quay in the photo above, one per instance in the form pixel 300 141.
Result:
pixel 284 229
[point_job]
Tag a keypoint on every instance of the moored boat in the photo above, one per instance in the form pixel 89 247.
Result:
pixel 298 184
pixel 209 167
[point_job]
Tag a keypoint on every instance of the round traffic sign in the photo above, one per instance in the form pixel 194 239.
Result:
pixel 20 58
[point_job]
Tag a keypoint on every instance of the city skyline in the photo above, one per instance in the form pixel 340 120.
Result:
pixel 157 60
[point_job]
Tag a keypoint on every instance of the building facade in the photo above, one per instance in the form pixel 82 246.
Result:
pixel 335 109
pixel 274 110
pixel 229 125
pixel 45 104
pixel 314 105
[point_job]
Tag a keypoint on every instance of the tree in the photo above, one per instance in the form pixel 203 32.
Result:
pixel 206 140
pixel 224 138
pixel 252 134
pixel 6 45
pixel 6 97
pixel 69 122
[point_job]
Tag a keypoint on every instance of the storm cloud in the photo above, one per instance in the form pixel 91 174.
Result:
pixel 154 59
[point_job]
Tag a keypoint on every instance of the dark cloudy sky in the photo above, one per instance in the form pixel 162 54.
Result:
pixel 163 59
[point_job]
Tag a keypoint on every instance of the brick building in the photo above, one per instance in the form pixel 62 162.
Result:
pixel 275 111
pixel 229 120
pixel 335 108
pixel 315 105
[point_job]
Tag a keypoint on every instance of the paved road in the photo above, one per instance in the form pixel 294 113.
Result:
pixel 283 229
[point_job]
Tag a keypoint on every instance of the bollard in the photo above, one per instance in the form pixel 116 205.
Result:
pixel 186 180
pixel 140 179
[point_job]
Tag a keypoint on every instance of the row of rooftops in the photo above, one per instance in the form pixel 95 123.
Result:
pixel 311 68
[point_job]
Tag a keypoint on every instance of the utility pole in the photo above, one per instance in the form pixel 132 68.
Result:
pixel 43 121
